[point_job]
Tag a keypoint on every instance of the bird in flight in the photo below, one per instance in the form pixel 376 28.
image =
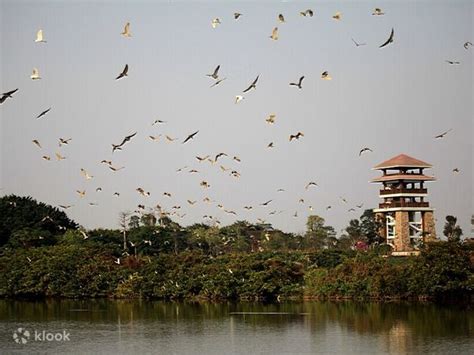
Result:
pixel 142 192
pixel 281 18
pixel 456 170
pixel 351 210
pixel 238 98
pixel 357 44
pixel 65 206
pixel 201 159
pixel 7 95
pixel 114 169
pixel 325 76
pixel 452 62
pixel 123 73
pixel 274 34
pixel 205 184
pixel 170 139
pixel 378 12
pixel 306 13
pixel 117 194
pixel 81 193
pixel 365 150
pixel 191 202
pixel 99 189
pixel 337 16
pixel 155 138
pixel 191 136
pixel 253 85
pixel 309 184
pixel 215 74
pixel 108 162
pixel 35 141
pixel 215 22
pixel 125 140
pixel 45 157
pixel 388 41
pixel 266 203
pixel 237 159
pixel 217 82
pixel 35 75
pixel 467 44
pixel 39 37
pixel 220 155
pixel 237 15
pixel 126 30
pixel 43 113
pixel 60 157
pixel 64 141
pixel 270 145
pixel 167 194
pixel 296 136
pixel 298 85
pixel 443 134
pixel 157 122
pixel 271 118
pixel 343 199
pixel 360 206
pixel 86 174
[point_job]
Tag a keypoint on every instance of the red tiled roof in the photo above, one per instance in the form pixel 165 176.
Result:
pixel 402 161
pixel 406 177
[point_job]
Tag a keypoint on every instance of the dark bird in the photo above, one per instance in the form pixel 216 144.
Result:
pixel 452 62
pixel 125 140
pixel 456 170
pixel 443 134
pixel 365 150
pixel 237 15
pixel 306 13
pixel 358 44
pixel 378 12
pixel 191 136
pixel 270 145
pixel 360 206
pixel 157 122
pixel 266 203
pixel 467 44
pixel 123 73
pixel 351 210
pixel 7 95
pixel 43 113
pixel 299 83
pixel 200 159
pixel 253 85
pixel 389 40
pixel 215 74
pixel 281 18
pixel 63 141
pixel 296 136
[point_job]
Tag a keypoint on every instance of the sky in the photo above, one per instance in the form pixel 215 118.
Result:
pixel 393 99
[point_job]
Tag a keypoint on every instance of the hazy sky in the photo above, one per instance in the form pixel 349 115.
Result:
pixel 393 100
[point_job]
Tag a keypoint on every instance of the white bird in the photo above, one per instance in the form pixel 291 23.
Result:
pixel 35 75
pixel 238 98
pixel 117 261
pixel 126 30
pixel 39 37
pixel 86 174
pixel 215 22
pixel 274 35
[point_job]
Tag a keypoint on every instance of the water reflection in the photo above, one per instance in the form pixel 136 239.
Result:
pixel 315 326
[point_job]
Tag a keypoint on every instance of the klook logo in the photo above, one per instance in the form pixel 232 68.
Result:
pixel 22 336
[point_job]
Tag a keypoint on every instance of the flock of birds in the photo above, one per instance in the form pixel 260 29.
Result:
pixel 217 79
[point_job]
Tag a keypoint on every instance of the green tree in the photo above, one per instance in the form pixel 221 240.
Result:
pixel 17 213
pixel 451 230
pixel 370 227
pixel 317 233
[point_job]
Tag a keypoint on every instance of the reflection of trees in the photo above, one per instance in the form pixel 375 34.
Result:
pixel 398 322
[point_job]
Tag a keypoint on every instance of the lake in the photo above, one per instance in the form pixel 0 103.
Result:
pixel 145 327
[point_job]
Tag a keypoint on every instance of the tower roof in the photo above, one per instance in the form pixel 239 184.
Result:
pixel 402 161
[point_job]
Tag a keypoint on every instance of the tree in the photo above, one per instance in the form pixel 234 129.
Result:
pixel 451 230
pixel 134 222
pixel 17 213
pixel 124 218
pixel 370 227
pixel 148 219
pixel 317 234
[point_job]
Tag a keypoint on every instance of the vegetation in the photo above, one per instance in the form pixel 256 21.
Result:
pixel 153 257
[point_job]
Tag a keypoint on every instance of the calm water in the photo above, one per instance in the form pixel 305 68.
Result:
pixel 143 327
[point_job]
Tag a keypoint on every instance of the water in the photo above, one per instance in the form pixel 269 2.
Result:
pixel 144 327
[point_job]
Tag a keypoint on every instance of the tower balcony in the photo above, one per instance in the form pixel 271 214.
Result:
pixel 397 191
pixel 400 204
